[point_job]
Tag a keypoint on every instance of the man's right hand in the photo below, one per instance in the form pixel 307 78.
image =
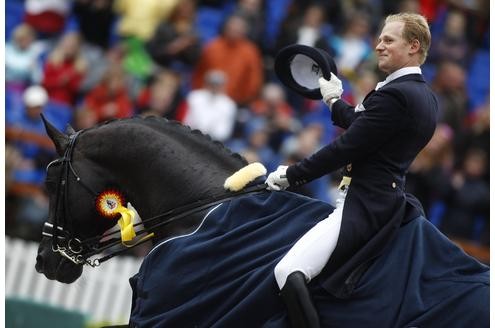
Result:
pixel 277 180
pixel 331 90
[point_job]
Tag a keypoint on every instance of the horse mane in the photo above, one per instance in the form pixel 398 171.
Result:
pixel 163 124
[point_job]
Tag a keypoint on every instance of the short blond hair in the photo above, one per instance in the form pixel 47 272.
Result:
pixel 415 28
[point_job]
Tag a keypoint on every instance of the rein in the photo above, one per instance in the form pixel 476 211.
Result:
pixel 170 217
pixel 79 251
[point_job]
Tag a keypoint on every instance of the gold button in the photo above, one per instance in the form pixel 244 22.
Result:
pixel 394 185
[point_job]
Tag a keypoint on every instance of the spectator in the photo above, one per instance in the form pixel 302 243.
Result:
pixel 25 131
pixel 210 109
pixel 310 29
pixel 254 144
pixel 65 70
pixel 175 41
pixel 449 87
pixel 452 43
pixel 363 85
pixel 353 45
pixel 279 115
pixel 479 129
pixel 48 18
pixel 301 145
pixel 84 118
pixel 238 57
pixel 253 13
pixel 162 98
pixel 478 134
pixel 100 61
pixel 470 199
pixel 140 19
pixel 95 19
pixel 21 57
pixel 430 173
pixel 110 98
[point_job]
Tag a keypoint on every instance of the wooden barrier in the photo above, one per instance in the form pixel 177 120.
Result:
pixel 102 293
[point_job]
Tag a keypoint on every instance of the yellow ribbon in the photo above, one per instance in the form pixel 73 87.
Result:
pixel 346 181
pixel 126 223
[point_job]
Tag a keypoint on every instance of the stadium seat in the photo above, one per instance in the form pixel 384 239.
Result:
pixel 14 15
pixel 208 22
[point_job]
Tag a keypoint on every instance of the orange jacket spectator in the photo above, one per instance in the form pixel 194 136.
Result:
pixel 237 57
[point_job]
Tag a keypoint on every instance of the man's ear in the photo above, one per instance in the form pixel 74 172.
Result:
pixel 60 140
pixel 414 47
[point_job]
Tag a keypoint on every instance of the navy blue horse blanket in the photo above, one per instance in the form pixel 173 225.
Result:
pixel 222 274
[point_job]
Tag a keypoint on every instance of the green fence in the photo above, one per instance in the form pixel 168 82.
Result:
pixel 20 313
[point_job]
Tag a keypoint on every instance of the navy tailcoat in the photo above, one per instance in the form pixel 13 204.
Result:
pixel 382 138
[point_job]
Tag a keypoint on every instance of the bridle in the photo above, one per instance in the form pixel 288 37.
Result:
pixel 79 250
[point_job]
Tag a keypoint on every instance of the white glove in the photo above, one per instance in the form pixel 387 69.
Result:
pixel 331 90
pixel 277 180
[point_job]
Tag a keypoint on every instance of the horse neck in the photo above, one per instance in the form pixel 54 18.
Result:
pixel 165 171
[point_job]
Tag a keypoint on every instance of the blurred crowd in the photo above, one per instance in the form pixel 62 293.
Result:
pixel 209 64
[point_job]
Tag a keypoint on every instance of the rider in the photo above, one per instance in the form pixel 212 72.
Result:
pixel 383 135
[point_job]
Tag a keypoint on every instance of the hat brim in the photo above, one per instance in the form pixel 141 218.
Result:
pixel 299 67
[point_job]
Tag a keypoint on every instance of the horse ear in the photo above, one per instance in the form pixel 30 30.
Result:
pixel 69 129
pixel 59 139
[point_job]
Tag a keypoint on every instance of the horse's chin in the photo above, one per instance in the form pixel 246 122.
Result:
pixel 66 272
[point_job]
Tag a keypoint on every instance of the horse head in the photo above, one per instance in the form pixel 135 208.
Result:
pixel 151 163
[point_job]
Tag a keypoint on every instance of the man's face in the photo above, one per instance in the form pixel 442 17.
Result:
pixel 392 50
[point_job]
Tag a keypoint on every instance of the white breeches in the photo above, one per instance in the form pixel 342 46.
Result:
pixel 313 250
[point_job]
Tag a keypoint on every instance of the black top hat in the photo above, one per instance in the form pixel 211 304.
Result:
pixel 299 67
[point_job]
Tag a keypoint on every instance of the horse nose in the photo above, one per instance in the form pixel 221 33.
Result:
pixel 39 263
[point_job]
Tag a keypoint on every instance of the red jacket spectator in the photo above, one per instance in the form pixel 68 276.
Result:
pixel 110 98
pixel 64 70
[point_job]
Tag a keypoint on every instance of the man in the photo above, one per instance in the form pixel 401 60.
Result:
pixel 383 135
pixel 239 58
pixel 210 110
pixel 24 129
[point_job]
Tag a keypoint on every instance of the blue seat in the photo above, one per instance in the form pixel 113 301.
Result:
pixel 436 213
pixel 59 114
pixel 14 15
pixel 208 23
pixel 478 79
pixel 276 11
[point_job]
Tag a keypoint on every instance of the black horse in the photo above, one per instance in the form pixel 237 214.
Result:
pixel 215 249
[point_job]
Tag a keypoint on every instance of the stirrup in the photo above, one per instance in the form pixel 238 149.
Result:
pixel 300 308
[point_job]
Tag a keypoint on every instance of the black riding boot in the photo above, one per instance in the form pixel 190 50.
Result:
pixel 295 293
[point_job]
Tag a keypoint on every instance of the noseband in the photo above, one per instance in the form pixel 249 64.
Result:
pixel 78 250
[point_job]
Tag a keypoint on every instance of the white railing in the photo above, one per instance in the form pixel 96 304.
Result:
pixel 103 293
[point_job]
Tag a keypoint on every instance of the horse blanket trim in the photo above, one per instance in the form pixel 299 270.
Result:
pixel 186 235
